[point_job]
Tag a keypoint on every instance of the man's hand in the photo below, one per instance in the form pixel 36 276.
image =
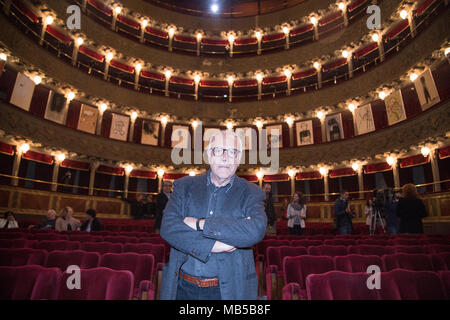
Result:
pixel 191 222
pixel 222 247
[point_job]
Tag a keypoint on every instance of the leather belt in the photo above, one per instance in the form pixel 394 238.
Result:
pixel 204 283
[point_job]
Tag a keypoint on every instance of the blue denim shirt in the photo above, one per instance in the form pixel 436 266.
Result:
pixel 193 266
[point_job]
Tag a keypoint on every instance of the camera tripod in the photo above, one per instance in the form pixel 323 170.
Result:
pixel 373 223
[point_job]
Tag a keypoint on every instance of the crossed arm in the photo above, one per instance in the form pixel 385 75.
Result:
pixel 219 234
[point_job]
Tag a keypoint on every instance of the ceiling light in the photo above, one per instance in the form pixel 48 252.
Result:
pixel 390 160
pixel 425 151
pixel 37 80
pixel 49 20
pixel 103 107
pixel 403 14
pixel 375 37
pixel 214 8
pixel 413 76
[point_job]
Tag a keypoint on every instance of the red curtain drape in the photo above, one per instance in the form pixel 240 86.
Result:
pixel 313 175
pixel 377 167
pixel 276 177
pixel 6 148
pixel 38 157
pixel 143 174
pixel 413 161
pixel 344 172
pixel 77 165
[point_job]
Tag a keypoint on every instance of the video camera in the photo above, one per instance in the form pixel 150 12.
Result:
pixel 381 198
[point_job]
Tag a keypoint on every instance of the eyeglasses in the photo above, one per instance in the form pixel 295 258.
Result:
pixel 218 152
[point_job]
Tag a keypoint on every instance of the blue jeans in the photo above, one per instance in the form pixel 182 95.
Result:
pixel 190 291
pixel 347 229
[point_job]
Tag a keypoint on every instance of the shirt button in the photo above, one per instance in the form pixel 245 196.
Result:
pixel 211 212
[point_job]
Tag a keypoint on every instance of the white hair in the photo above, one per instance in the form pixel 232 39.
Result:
pixel 228 132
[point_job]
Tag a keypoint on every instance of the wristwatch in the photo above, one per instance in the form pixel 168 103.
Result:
pixel 197 224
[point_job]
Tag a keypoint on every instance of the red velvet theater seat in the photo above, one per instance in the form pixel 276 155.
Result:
pixel 437 248
pixel 407 261
pixel 325 250
pixel 306 243
pixel 274 267
pixel 85 238
pixel 99 284
pixel 12 235
pixel 22 257
pixel 17 243
pixel 378 242
pixel 367 249
pixel 338 285
pixel 30 282
pixel 409 249
pixel 48 236
pixel 441 261
pixel 406 242
pixel 120 239
pixel 445 277
pixel 357 262
pixel 102 247
pixel 340 242
pixel 141 265
pixel 51 245
pixel 296 269
pixel 80 258
pixel 400 284
pixel 157 250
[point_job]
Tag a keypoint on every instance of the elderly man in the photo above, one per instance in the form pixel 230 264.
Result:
pixel 212 221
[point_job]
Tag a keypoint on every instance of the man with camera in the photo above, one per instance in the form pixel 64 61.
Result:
pixel 343 214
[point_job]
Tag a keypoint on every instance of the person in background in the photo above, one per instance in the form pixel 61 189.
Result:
pixel 137 206
pixel 411 210
pixel 161 201
pixel 342 212
pixel 268 205
pixel 67 181
pixel 91 223
pixel 150 207
pixel 9 221
pixel 66 222
pixel 392 219
pixel 368 211
pixel 296 214
pixel 47 223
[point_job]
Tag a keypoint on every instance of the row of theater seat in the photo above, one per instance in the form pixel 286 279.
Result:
pixel 358 236
pixel 293 267
pixel 33 282
pixel 276 270
pixel 342 250
pixel 142 266
pixel 76 235
pixel 158 250
pixel 397 284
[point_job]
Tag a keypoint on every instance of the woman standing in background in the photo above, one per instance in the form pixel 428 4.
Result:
pixel 296 213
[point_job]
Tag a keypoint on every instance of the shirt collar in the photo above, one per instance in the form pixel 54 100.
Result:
pixel 227 186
